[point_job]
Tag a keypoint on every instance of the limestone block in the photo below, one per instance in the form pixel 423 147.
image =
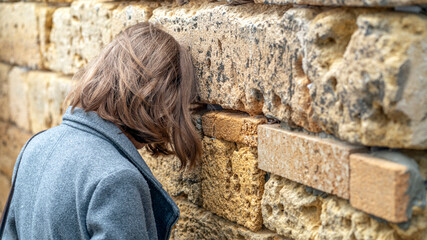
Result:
pixel 368 70
pixel 355 3
pixel 167 170
pixel 285 200
pixel 4 92
pixel 232 184
pixel 4 190
pixel 248 57
pixel 18 103
pixel 232 126
pixel 196 223
pixel 321 163
pixel 78 34
pixel 46 94
pixel 379 187
pixel 128 14
pixel 24 34
pixel 289 210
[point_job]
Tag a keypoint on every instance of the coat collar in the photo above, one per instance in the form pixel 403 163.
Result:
pixel 90 121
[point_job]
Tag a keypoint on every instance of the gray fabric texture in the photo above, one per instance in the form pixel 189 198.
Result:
pixel 85 180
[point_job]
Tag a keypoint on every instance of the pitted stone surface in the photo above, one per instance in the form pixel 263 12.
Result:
pixel 4 92
pixel 18 88
pixel 4 193
pixel 337 219
pixel 247 57
pixel 355 3
pixel 320 163
pixel 196 223
pixel 232 184
pixel 371 90
pixel 24 34
pixel 46 94
pixel 232 126
pixel 176 182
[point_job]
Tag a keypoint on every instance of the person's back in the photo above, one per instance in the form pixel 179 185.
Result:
pixel 85 179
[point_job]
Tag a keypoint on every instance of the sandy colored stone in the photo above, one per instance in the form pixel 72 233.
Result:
pixel 321 163
pixel 368 85
pixel 46 94
pixel 166 169
pixel 232 184
pixel 289 210
pixel 24 34
pixel 232 126
pixel 4 190
pixel 337 220
pixel 12 139
pixel 18 102
pixel 247 57
pixel 4 92
pixel 378 187
pixel 196 223
pixel 355 3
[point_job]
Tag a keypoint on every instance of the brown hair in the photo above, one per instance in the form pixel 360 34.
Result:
pixel 143 81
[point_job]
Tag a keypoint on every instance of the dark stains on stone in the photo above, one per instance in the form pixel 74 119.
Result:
pixel 402 77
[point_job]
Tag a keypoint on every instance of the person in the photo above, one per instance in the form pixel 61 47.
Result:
pixel 84 179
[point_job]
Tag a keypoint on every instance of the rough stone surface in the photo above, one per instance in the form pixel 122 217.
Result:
pixel 356 3
pixel 232 184
pixel 46 94
pixel 368 85
pixel 321 163
pixel 196 223
pixel 167 170
pixel 4 190
pixel 232 126
pixel 337 220
pixel 24 34
pixel 4 92
pixel 18 102
pixel 378 187
pixel 247 57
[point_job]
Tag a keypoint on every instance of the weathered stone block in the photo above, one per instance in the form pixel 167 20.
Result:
pixel 4 190
pixel 368 73
pixel 46 94
pixel 321 163
pixel 247 57
pixel 167 170
pixel 18 103
pixel 232 126
pixel 4 92
pixel 232 184
pixel 355 3
pixel 289 210
pixel 379 187
pixel 24 34
pixel 196 223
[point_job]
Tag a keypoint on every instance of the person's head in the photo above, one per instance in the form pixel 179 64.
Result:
pixel 143 81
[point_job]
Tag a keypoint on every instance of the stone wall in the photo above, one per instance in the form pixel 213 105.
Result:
pixel 322 132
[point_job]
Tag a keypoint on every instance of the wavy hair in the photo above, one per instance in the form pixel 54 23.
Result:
pixel 143 81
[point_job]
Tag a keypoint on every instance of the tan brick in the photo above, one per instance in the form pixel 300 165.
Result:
pixel 232 184
pixel 167 170
pixel 321 163
pixel 355 3
pixel 290 211
pixel 46 94
pixel 4 92
pixel 4 190
pixel 18 102
pixel 382 105
pixel 196 223
pixel 25 33
pixel 247 57
pixel 232 126
pixel 380 187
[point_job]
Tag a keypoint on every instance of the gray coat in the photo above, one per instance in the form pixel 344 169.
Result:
pixel 85 180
